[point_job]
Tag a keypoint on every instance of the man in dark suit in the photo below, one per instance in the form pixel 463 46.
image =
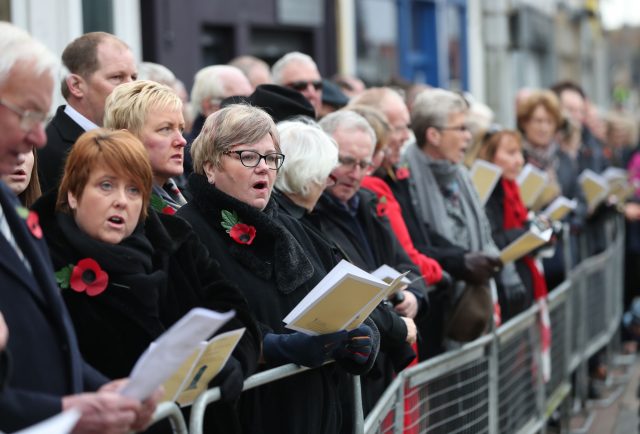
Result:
pixel 48 374
pixel 97 62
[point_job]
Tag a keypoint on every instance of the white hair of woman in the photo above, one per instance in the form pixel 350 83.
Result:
pixel 311 156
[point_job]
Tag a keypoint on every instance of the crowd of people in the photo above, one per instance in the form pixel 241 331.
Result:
pixel 137 202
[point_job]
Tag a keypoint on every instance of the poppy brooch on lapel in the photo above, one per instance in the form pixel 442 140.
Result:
pixel 161 205
pixel 402 172
pixel 240 232
pixel 381 208
pixel 33 222
pixel 85 276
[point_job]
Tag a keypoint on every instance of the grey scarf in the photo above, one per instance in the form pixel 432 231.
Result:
pixel 428 178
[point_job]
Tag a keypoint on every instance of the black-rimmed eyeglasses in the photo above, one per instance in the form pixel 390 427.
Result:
pixel 251 159
pixel 28 118
pixel 301 85
pixel 351 163
pixel 457 128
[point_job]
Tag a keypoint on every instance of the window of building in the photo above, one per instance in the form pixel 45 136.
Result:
pixel 5 10
pixel 217 44
pixel 97 16
pixel 271 44
pixel 377 40
pixel 455 45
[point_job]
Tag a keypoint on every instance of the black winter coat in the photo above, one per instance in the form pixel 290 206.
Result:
pixel 164 272
pixel 335 223
pixel 62 133
pixel 426 240
pixel 275 273
pixel 46 361
pixel 510 303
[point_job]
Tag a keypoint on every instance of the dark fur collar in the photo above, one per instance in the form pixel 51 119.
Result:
pixel 274 254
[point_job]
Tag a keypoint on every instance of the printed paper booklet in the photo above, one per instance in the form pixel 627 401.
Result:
pixel 485 176
pixel 595 188
pixel 342 300
pixel 163 358
pixel 559 208
pixel 525 243
pixel 388 274
pixel 531 182
pixel 550 191
pixel 193 377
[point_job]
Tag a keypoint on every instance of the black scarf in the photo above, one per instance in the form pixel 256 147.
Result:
pixel 128 264
pixel 274 254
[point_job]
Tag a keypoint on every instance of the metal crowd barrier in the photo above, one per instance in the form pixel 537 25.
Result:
pixel 494 384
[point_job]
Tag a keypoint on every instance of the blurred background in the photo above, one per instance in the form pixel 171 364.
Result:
pixel 489 48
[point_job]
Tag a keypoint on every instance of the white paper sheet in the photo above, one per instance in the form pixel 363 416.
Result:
pixel 62 423
pixel 388 273
pixel 161 360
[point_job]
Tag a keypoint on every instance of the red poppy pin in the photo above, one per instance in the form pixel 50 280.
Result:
pixel 381 208
pixel 240 232
pixel 402 173
pixel 161 205
pixel 85 276
pixel 33 222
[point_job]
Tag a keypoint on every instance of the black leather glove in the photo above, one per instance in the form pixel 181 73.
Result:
pixel 230 380
pixel 358 345
pixel 480 267
pixel 304 350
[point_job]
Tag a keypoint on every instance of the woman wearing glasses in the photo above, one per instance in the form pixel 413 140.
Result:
pixel 126 272
pixel 236 159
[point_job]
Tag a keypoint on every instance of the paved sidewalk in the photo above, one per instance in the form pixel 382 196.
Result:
pixel 621 417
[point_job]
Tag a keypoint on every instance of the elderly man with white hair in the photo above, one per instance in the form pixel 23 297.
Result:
pixel 298 71
pixel 49 374
pixel 211 85
pixel 354 220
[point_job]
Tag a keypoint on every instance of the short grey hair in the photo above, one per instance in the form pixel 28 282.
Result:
pixel 156 72
pixel 432 108
pixel 311 156
pixel 16 45
pixel 208 83
pixel 230 126
pixel 350 121
pixel 281 64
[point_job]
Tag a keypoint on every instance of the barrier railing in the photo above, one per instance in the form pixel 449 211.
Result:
pixel 494 384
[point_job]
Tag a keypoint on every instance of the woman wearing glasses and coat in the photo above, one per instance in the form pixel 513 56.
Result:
pixel 275 263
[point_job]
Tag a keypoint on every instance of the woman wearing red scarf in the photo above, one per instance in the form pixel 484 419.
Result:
pixel 508 215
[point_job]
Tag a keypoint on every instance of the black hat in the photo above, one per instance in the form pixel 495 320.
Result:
pixel 332 95
pixel 280 102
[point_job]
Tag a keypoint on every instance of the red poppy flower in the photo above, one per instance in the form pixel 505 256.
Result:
pixel 242 233
pixel 402 173
pixel 168 210
pixel 88 276
pixel 381 208
pixel 33 223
